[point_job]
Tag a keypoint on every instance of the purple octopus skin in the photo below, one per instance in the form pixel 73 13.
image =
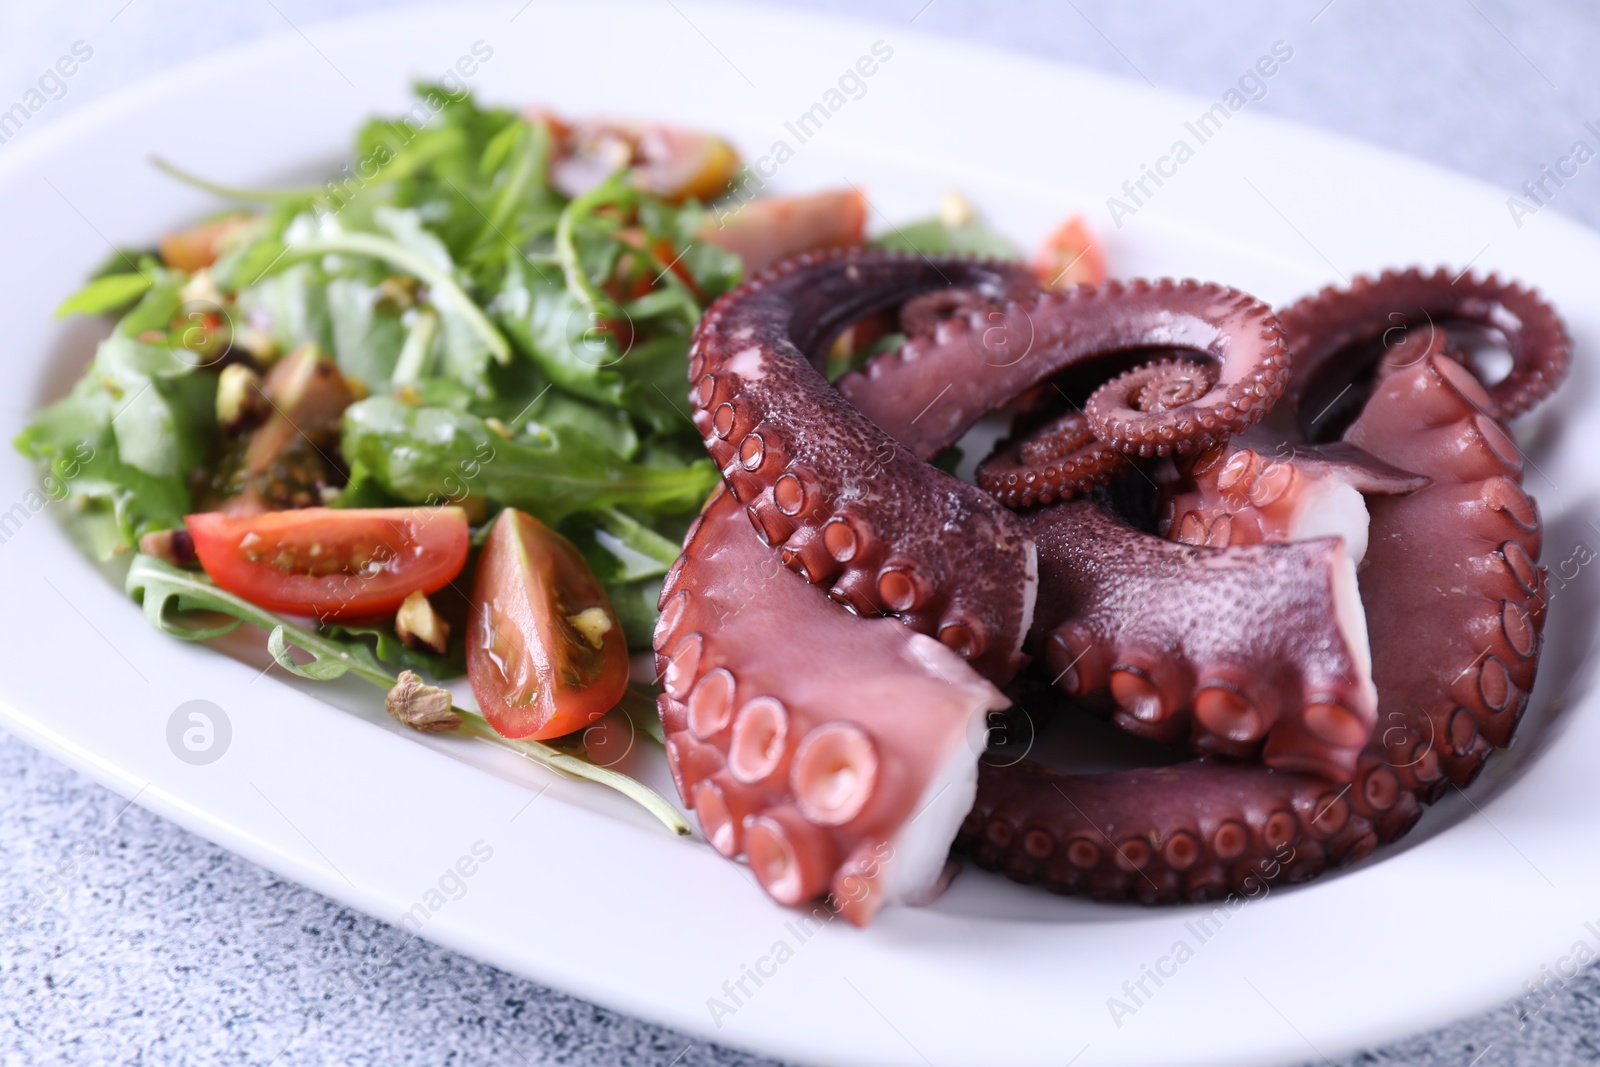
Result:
pixel 875 530
pixel 1056 461
pixel 1460 552
pixel 1259 487
pixel 935 387
pixel 837 754
pixel 1246 651
pixel 820 814
pixel 1330 331
pixel 1463 680
pixel 853 511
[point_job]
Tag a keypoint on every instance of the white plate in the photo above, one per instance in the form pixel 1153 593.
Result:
pixel 585 893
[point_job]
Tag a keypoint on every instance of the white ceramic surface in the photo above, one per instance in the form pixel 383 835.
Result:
pixel 585 893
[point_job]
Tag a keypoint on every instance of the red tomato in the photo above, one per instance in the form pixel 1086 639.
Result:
pixel 331 563
pixel 764 231
pixel 1070 256
pixel 545 652
pixel 199 245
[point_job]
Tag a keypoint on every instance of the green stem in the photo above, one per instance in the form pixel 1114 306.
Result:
pixel 641 538
pixel 529 169
pixel 147 574
pixel 444 287
pixel 234 192
pixel 413 358
pixel 567 246
pixel 574 766
pixel 665 273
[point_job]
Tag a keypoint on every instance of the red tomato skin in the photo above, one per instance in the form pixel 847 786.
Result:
pixel 1070 256
pixel 426 546
pixel 529 580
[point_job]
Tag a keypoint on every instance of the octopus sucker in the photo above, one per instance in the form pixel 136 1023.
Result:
pixel 1471 514
pixel 1237 347
pixel 859 797
pixel 835 636
pixel 1265 632
pixel 1259 488
pixel 806 429
pixel 1056 461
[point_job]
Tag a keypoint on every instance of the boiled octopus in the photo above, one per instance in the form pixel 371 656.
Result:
pixel 1212 525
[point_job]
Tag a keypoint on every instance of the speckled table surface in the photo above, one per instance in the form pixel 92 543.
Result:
pixel 124 939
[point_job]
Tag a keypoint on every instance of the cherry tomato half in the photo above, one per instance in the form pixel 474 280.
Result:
pixel 332 563
pixel 545 652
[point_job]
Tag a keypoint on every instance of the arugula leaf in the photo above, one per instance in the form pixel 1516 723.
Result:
pixel 171 595
pixel 423 454
pixel 74 441
pixel 388 648
pixel 293 302
pixel 618 547
pixel 164 412
pixel 515 161
pixel 155 310
pixel 127 435
pixel 635 605
pixel 565 338
pixel 446 291
pixel 367 336
pixel 110 292
pixel 558 412
pixel 932 237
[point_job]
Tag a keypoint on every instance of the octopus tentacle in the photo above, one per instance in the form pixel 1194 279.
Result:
pixel 1254 650
pixel 1334 332
pixel 1465 678
pixel 1057 461
pixel 1131 410
pixel 921 315
pixel 998 353
pixel 1447 692
pixel 857 798
pixel 1245 650
pixel 1258 488
pixel 1195 832
pixel 852 510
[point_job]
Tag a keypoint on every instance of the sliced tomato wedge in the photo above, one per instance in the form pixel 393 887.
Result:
pixel 545 651
pixel 1070 256
pixel 332 563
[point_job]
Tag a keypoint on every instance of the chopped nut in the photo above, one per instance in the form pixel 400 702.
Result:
pixel 397 293
pixel 240 401
pixel 419 626
pixel 408 395
pixel 259 343
pixel 202 288
pixel 593 624
pixel 499 427
pixel 955 210
pixel 422 707
pixel 170 546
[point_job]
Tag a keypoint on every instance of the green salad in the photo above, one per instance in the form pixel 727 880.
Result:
pixel 470 346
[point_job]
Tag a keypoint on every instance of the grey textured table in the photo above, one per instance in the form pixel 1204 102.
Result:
pixel 126 939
